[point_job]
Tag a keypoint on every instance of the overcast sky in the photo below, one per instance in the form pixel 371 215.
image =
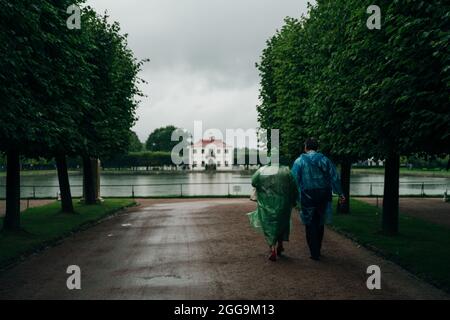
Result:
pixel 203 55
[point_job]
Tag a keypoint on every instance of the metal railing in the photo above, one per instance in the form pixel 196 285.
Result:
pixel 217 189
pixel 406 188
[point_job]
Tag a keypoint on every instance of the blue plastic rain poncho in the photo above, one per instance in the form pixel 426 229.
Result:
pixel 316 177
pixel 276 196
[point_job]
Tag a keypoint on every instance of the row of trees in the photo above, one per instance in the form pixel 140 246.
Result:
pixel 64 93
pixel 151 159
pixel 160 140
pixel 362 92
pixel 136 160
pixel 135 144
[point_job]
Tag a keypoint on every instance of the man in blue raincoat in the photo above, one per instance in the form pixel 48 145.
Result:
pixel 316 178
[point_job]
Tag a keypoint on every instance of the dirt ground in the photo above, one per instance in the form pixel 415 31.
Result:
pixel 431 209
pixel 24 204
pixel 202 249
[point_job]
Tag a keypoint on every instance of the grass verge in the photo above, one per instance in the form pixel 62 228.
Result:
pixel 32 173
pixel 422 247
pixel 404 172
pixel 46 225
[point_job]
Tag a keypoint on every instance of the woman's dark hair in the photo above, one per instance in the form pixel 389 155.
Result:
pixel 312 144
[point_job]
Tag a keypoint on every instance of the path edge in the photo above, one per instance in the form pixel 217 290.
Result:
pixel 39 249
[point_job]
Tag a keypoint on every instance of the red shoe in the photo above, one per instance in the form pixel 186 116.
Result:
pixel 273 256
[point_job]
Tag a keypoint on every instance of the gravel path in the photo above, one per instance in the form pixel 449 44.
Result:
pixel 202 249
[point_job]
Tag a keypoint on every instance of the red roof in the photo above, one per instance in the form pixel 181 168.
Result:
pixel 206 142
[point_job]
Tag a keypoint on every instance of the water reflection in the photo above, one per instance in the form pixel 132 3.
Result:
pixel 203 184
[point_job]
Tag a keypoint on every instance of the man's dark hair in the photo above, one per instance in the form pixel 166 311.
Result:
pixel 312 144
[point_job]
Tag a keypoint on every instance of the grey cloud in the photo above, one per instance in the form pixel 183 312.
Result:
pixel 202 55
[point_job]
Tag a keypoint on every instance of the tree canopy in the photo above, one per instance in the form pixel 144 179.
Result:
pixel 161 139
pixel 135 145
pixel 363 93
pixel 65 92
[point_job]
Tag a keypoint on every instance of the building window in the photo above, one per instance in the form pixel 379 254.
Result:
pixel 226 151
pixel 203 151
pixel 195 151
pixel 203 163
pixel 218 164
pixel 226 163
pixel 218 151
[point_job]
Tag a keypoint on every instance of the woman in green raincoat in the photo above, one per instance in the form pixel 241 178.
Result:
pixel 276 196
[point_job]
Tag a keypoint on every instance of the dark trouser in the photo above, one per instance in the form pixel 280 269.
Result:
pixel 315 200
pixel 314 235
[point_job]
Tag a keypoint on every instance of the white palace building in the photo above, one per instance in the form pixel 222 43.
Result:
pixel 211 154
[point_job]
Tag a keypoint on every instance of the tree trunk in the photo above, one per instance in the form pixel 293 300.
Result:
pixel 97 167
pixel 391 194
pixel 64 184
pixel 12 216
pixel 89 182
pixel 346 170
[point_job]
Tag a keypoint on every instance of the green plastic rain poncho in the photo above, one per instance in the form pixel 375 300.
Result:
pixel 277 194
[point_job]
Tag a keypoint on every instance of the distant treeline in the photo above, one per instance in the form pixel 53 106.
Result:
pixel 158 159
pixel 131 160
pixel 428 162
pixel 149 159
pixel 135 160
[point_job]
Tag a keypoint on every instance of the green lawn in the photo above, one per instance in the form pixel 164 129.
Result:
pixel 421 247
pixel 27 173
pixel 406 172
pixel 46 224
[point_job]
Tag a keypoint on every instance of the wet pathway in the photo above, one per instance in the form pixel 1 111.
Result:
pixel 201 249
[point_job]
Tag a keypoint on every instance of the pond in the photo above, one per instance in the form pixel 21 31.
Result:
pixel 204 184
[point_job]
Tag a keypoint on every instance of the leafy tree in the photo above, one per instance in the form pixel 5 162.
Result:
pixel 246 155
pixel 36 119
pixel 161 139
pixel 107 120
pixel 140 159
pixel 333 87
pixel 135 145
pixel 283 88
pixel 67 53
pixel 403 99
pixel 295 98
pixel 51 111
pixel 17 105
pixel 381 93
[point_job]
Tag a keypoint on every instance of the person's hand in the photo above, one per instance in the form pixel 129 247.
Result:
pixel 342 199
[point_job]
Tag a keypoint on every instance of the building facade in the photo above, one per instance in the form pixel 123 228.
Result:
pixel 210 154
